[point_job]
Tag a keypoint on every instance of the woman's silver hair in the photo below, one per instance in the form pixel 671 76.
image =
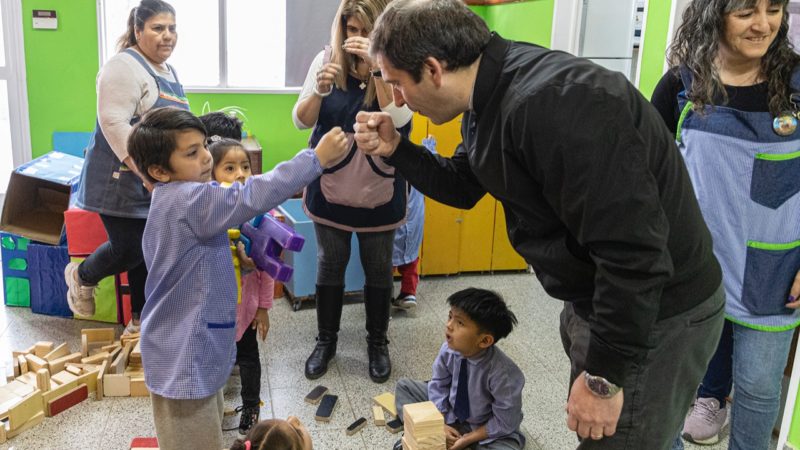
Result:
pixel 696 47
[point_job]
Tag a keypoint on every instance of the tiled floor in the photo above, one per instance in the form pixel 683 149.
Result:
pixel 534 345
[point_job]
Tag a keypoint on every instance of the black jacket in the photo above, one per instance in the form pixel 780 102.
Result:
pixel 596 195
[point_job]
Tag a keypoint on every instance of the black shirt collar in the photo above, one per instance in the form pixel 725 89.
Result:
pixel 489 71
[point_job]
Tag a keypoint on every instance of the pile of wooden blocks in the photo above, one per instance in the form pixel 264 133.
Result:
pixel 424 427
pixel 49 379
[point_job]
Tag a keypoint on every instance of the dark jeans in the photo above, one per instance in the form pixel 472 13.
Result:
pixel 375 249
pixel 718 381
pixel 659 389
pixel 121 253
pixel 249 367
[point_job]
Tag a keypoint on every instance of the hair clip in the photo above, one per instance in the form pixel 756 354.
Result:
pixel 212 139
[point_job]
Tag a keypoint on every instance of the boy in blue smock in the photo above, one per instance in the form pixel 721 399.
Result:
pixel 474 384
pixel 189 318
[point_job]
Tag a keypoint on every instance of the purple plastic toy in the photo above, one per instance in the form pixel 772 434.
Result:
pixel 268 238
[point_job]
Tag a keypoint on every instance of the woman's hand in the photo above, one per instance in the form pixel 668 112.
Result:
pixel 261 323
pixel 128 161
pixel 359 46
pixel 326 76
pixel 793 301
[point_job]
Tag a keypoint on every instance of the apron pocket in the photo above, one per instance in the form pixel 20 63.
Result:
pixel 361 183
pixel 768 276
pixel 775 178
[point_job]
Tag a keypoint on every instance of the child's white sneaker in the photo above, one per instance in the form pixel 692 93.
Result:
pixel 80 298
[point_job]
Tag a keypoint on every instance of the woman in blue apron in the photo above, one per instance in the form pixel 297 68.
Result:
pixel 131 83
pixel 732 101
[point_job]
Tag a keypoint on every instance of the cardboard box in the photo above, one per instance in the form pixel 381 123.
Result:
pixel 37 196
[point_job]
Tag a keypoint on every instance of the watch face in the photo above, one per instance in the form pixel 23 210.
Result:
pixel 599 387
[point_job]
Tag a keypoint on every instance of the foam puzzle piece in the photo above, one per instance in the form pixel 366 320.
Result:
pixel 267 238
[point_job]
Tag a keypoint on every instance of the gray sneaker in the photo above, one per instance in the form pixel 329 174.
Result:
pixel 405 302
pixel 79 297
pixel 705 421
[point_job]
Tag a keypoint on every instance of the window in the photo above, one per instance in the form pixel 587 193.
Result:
pixel 258 45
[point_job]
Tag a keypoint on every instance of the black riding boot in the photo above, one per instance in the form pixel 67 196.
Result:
pixel 377 302
pixel 329 314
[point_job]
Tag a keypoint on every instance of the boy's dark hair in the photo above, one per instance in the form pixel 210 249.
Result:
pixel 487 309
pixel 224 125
pixel 219 148
pixel 152 140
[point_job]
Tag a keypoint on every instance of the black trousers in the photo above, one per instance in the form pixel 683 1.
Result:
pixel 249 367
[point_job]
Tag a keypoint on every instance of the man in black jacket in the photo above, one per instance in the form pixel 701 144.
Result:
pixel 597 201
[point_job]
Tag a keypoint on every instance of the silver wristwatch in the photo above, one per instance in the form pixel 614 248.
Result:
pixel 600 386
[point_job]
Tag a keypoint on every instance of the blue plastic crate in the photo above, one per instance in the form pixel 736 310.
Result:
pixel 303 282
pixel 16 279
pixel 46 265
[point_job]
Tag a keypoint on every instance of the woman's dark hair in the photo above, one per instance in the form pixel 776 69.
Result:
pixel 220 147
pixel 696 47
pixel 487 309
pixel 223 125
pixel 271 434
pixel 138 16
pixel 152 140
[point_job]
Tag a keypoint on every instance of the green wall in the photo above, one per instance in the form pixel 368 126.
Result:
pixel 654 45
pixel 530 21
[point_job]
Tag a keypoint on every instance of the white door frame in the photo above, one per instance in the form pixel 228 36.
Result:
pixel 14 73
pixel 567 15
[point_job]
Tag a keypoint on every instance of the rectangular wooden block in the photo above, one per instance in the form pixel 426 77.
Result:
pixel 58 364
pixel 58 352
pixel 43 380
pixel 42 348
pixel 25 410
pixel 377 413
pixel 63 377
pixel 97 358
pixel 394 426
pixel 89 378
pixel 73 369
pixel 35 363
pixel 57 391
pixel 115 385
pixel 23 364
pixel 99 391
pixel 32 422
pixel 316 394
pixel 99 334
pixel 67 400
pixel 28 378
pixel 138 388
pixel 356 426
pixel 19 388
pixel 326 407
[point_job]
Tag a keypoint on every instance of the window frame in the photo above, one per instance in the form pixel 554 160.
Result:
pixel 223 87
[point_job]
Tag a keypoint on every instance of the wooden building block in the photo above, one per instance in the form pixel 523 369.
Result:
pixel 35 363
pixel 377 413
pixel 15 363
pixel 68 400
pixel 394 426
pixel 42 348
pixel 115 385
pixel 8 399
pixel 30 349
pixel 43 380
pixel 386 401
pixel 125 338
pixel 58 364
pixel 63 377
pixel 57 391
pixel 25 410
pixel 28 378
pixel 89 378
pixel 84 345
pixel 73 369
pixel 136 354
pixel 138 388
pixel 97 358
pixel 99 334
pixel 98 394
pixel 109 348
pixel 23 364
pixel 121 362
pixel 326 407
pixel 316 394
pixel 141 443
pixel 32 422
pixel 58 352
pixel 356 426
pixel 19 388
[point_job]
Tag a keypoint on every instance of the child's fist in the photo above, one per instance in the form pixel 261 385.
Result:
pixel 333 147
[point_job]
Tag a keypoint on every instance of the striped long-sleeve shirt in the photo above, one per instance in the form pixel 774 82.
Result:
pixel 189 318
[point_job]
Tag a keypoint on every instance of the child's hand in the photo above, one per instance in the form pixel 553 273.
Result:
pixel 332 147
pixel 326 76
pixel 246 263
pixel 451 435
pixel 261 323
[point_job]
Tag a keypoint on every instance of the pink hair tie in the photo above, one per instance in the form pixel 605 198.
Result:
pixel 246 445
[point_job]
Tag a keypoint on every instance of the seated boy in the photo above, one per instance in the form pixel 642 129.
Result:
pixel 188 321
pixel 475 385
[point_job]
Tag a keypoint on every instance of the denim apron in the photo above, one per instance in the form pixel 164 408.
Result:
pixel 107 185
pixel 745 178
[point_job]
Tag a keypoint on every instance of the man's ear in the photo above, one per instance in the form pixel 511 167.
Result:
pixel 158 173
pixel 486 341
pixel 435 69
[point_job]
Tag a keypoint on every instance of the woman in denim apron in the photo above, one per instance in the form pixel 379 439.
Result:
pixel 134 81
pixel 732 100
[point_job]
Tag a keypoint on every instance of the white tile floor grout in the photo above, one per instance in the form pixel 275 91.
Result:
pixel 415 339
